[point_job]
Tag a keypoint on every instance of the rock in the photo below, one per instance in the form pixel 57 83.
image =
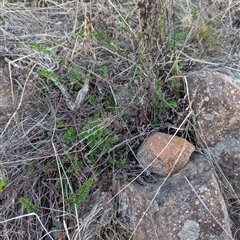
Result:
pixel 216 100
pixel 164 156
pixel 133 203
pixel 227 154
pixel 188 206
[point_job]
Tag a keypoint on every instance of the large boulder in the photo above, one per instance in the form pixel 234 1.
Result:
pixel 216 101
pixel 186 206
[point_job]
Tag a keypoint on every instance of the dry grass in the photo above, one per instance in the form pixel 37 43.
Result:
pixel 133 56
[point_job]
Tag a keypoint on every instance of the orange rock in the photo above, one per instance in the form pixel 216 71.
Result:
pixel 164 156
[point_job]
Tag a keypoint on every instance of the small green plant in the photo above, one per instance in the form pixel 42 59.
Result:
pixel 163 105
pixel 74 163
pixel 106 185
pixel 205 34
pixel 74 78
pixel 30 170
pixel 69 134
pixel 30 207
pixel 81 33
pixel 98 137
pixel 175 68
pixel 116 163
pixel 171 104
pixel 104 70
pixel 104 38
pixel 109 105
pixel 42 48
pixel 3 182
pixel 81 195
pixel 75 73
pixel 194 13
pixel 70 163
pixel 92 99
pixel 51 167
pixel 176 40
pixel 44 72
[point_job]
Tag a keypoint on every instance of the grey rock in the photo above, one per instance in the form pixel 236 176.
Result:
pixel 189 205
pixel 216 100
pixel 190 230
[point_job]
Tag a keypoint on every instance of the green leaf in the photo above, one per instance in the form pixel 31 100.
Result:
pixel 81 195
pixel 3 182
pixel 30 207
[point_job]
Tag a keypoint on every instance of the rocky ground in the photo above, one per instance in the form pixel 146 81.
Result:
pixel 83 84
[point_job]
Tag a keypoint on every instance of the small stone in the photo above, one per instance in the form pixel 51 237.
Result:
pixel 164 154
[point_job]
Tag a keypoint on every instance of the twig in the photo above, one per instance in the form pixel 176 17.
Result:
pixel 28 215
pixel 80 97
pixel 202 61
pixel 20 102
